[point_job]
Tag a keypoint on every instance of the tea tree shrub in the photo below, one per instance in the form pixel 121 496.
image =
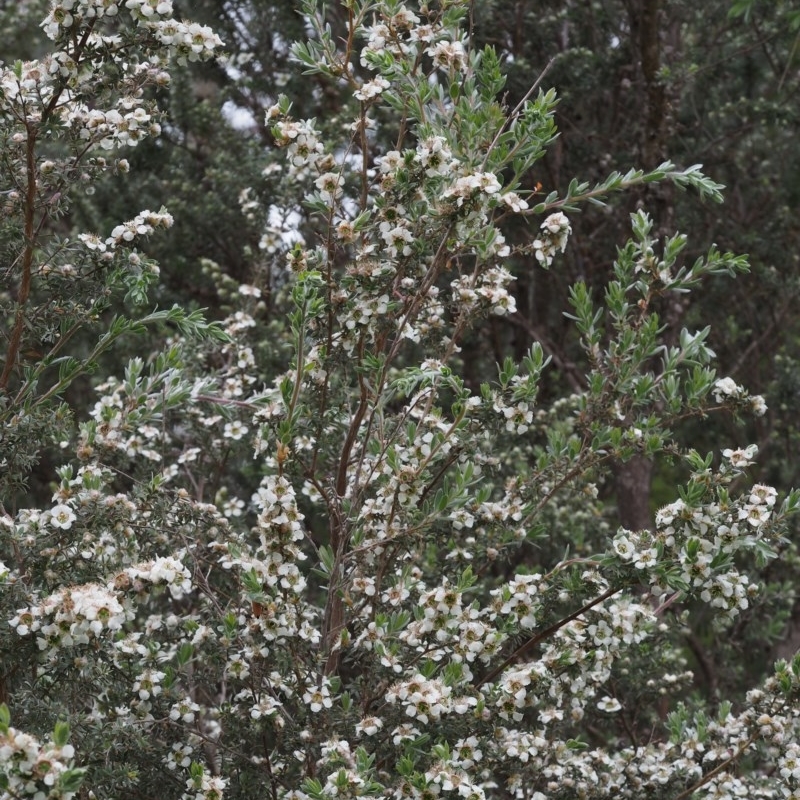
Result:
pixel 341 569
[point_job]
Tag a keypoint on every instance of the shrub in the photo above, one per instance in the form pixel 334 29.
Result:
pixel 338 568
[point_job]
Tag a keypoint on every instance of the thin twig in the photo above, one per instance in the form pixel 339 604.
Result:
pixel 533 641
pixel 27 260
pixel 513 115
pixel 719 768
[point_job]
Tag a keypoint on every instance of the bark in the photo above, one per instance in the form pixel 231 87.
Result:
pixel 632 483
pixel 645 23
pixel 633 478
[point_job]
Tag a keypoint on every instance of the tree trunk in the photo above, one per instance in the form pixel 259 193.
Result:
pixel 632 484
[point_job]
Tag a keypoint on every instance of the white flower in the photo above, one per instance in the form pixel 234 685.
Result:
pixel 405 732
pixel 609 704
pixel 371 89
pixel 369 726
pixel 726 387
pixel 514 201
pixel 185 710
pixel 665 515
pixel 556 224
pixel 92 241
pixel 763 494
pixel 389 162
pixel 167 569
pixel 758 405
pixel 645 558
pixel 487 182
pixel 466 186
pixel 234 430
pixel 62 516
pixel 623 547
pixel 448 55
pixel 330 186
pixel 434 154
pixel 318 699
pixel 555 232
pixel 756 515
pixel 741 458
pixel 397 238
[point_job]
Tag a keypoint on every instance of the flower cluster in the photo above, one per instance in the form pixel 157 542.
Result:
pixel 27 87
pixel 699 541
pixel 205 787
pixel 433 154
pixel 72 617
pixel 166 570
pixel 143 224
pixel 555 231
pixel 398 34
pixel 423 699
pixel 189 41
pixel 371 89
pixel 301 140
pixel 124 126
pixel 469 186
pixel 726 389
pixel 32 769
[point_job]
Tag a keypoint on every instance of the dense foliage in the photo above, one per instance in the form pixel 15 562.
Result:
pixel 356 537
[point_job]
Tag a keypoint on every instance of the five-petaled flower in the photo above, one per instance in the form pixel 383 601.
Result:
pixel 62 516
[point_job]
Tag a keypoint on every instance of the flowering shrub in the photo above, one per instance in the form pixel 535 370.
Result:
pixel 346 577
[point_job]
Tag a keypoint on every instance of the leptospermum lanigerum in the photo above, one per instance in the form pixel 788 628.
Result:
pixel 378 615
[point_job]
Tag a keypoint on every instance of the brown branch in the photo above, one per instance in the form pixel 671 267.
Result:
pixel 574 376
pixel 30 227
pixel 533 641
pixel 334 607
pixel 27 259
pixel 705 663
pixel 768 333
pixel 719 768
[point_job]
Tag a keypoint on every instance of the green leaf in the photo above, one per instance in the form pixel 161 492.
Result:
pixel 741 8
pixel 70 780
pixel 196 771
pixel 185 652
pixel 61 733
pixel 576 745
pixel 327 559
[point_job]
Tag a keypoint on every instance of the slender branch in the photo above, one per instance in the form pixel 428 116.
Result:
pixel 517 109
pixel 272 782
pixel 420 295
pixel 27 260
pixel 546 633
pixel 226 401
pixel 789 61
pixel 574 376
pixel 434 481
pixel 597 192
pixel 746 358
pixel 719 768
pixel 352 433
pixel 31 229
